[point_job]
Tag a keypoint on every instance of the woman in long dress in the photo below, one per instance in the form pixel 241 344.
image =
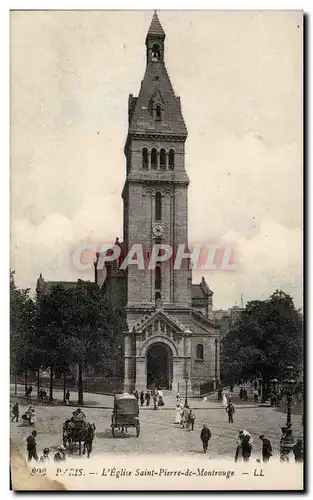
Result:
pixel 178 416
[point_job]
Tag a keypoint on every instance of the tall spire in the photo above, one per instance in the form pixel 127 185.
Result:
pixel 156 27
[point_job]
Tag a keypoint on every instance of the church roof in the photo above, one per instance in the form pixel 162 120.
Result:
pixel 156 88
pixel 155 26
pixel 197 292
pixel 201 290
pixel 157 82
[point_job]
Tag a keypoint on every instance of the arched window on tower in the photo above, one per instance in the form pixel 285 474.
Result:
pixel 156 52
pixel 154 159
pixel 158 206
pixel 158 282
pixel 199 351
pixel 162 159
pixel 171 159
pixel 158 113
pixel 145 158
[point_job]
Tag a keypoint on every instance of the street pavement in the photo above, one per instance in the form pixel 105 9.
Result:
pixel 159 434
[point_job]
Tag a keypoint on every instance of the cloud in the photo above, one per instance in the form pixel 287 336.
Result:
pixel 242 102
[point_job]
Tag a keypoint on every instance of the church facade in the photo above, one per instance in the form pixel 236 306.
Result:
pixel 172 337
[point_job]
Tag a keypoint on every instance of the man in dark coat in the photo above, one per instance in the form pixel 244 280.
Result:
pixel 15 412
pixel 230 410
pixel 205 436
pixel 147 398
pixel 67 397
pixel 266 448
pixel 298 451
pixel 142 398
pixel 32 446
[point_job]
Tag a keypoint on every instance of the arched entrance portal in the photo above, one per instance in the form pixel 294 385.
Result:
pixel 159 366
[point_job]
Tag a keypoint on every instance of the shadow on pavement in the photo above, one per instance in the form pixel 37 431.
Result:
pixel 118 435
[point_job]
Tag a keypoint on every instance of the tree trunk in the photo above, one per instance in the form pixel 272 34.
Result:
pixel 25 381
pixel 15 384
pixel 64 388
pixel 80 385
pixel 38 383
pixel 51 384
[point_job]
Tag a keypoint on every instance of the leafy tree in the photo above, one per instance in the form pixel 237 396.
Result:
pixel 23 353
pixel 77 327
pixel 267 337
pixel 94 332
pixel 53 316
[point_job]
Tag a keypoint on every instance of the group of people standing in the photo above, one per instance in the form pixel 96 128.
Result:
pixel 145 397
pixel 184 415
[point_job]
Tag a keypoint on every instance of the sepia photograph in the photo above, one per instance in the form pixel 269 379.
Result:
pixel 156 250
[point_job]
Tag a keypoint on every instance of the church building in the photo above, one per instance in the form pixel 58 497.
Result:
pixel 172 337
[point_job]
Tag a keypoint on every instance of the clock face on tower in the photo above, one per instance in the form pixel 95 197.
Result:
pixel 157 230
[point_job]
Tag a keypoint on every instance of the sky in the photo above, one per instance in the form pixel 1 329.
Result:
pixel 239 77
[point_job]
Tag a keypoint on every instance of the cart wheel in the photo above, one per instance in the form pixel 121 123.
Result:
pixel 137 430
pixel 113 431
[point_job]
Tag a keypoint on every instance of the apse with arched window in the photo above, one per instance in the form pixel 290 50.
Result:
pixel 171 159
pixel 145 158
pixel 154 158
pixel 199 351
pixel 158 113
pixel 162 159
pixel 158 281
pixel 158 206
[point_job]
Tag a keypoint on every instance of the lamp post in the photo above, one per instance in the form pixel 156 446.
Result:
pixel 186 377
pixel 287 440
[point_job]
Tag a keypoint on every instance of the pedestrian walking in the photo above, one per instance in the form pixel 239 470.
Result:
pixel 255 396
pixel 142 398
pixel 160 398
pixel 136 395
pixel 231 388
pixel 67 397
pixel 241 393
pixel 191 420
pixel 32 447
pixel 155 401
pixel 177 416
pixel 147 398
pixel 205 437
pixel 298 451
pixel 230 410
pixel 244 446
pixel 266 448
pixel 185 419
pixel 15 412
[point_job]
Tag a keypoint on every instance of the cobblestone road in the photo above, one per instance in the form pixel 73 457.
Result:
pixel 158 433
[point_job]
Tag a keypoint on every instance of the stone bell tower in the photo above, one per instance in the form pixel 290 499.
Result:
pixel 158 343
pixel 155 191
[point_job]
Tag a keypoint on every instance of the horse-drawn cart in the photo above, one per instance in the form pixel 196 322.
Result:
pixel 76 434
pixel 125 413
